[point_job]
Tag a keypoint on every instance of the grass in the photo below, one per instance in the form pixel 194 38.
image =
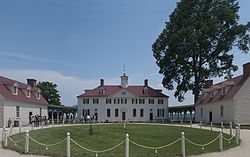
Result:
pixel 106 136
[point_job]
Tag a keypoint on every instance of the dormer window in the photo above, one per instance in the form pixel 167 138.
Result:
pixel 102 91
pixel 28 92
pixel 39 94
pixel 212 93
pixel 223 90
pixel 15 89
pixel 145 90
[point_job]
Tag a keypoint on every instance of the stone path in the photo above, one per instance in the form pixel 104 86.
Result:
pixel 240 151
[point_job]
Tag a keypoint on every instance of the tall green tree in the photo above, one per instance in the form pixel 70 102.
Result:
pixel 49 92
pixel 196 44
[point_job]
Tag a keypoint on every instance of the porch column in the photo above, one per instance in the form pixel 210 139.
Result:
pixel 57 121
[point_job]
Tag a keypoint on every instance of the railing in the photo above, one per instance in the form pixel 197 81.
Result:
pixel 26 139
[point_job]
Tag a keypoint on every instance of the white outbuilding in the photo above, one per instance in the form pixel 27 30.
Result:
pixel 18 101
pixel 227 101
pixel 114 103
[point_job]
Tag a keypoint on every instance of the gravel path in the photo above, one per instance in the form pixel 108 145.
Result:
pixel 240 151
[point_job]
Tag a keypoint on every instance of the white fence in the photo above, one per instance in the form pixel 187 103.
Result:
pixel 126 141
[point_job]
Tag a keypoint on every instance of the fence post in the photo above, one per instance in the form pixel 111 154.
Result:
pixel 5 137
pixel 20 127
pixel 200 124
pixel 3 133
pixel 221 125
pixel 32 125
pixel 11 129
pixel 190 123
pixel 237 140
pixel 220 140
pixel 183 151
pixel 42 124
pixel 239 131
pixel 127 146
pixel 211 126
pixel 26 142
pixel 68 144
pixel 231 128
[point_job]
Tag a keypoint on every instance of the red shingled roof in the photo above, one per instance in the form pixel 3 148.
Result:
pixel 234 88
pixel 112 89
pixel 7 94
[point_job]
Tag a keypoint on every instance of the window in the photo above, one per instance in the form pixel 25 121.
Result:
pixel 38 95
pixel 160 101
pixel 125 101
pixel 141 112
pixel 102 91
pixel 114 101
pixel 108 101
pixel 95 101
pixel 118 101
pixel 162 113
pixel 145 90
pixel 28 92
pixel 15 90
pixel 134 101
pixel 123 93
pixel 212 93
pixel 121 101
pixel 85 101
pixel 158 112
pixel 221 111
pixel 151 101
pixel 88 112
pixel 134 112
pixel 17 111
pixel 141 101
pixel 108 112
pixel 116 112
pixel 83 113
pixel 201 112
pixel 223 90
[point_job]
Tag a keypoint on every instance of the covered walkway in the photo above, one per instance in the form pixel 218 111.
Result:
pixel 61 114
pixel 184 113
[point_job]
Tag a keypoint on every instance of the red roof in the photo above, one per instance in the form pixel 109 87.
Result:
pixel 112 89
pixel 234 85
pixel 7 94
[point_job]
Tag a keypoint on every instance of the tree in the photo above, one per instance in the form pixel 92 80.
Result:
pixel 196 44
pixel 49 92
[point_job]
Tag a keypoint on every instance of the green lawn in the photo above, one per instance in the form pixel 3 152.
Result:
pixel 106 136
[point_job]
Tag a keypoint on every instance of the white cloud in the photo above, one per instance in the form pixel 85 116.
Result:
pixel 29 58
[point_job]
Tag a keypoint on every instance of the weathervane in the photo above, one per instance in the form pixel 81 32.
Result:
pixel 124 68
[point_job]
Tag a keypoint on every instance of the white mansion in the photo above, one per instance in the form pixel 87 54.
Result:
pixel 115 103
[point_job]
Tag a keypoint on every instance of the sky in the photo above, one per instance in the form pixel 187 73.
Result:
pixel 76 43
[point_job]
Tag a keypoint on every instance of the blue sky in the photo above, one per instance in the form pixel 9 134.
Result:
pixel 75 43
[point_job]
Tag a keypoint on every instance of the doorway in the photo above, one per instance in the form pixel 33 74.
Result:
pixel 123 115
pixel 210 116
pixel 96 116
pixel 151 116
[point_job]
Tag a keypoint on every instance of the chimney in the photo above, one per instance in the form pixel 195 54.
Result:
pixel 146 82
pixel 246 69
pixel 31 82
pixel 208 83
pixel 101 82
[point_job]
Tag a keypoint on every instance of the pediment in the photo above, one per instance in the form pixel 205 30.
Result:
pixel 123 93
